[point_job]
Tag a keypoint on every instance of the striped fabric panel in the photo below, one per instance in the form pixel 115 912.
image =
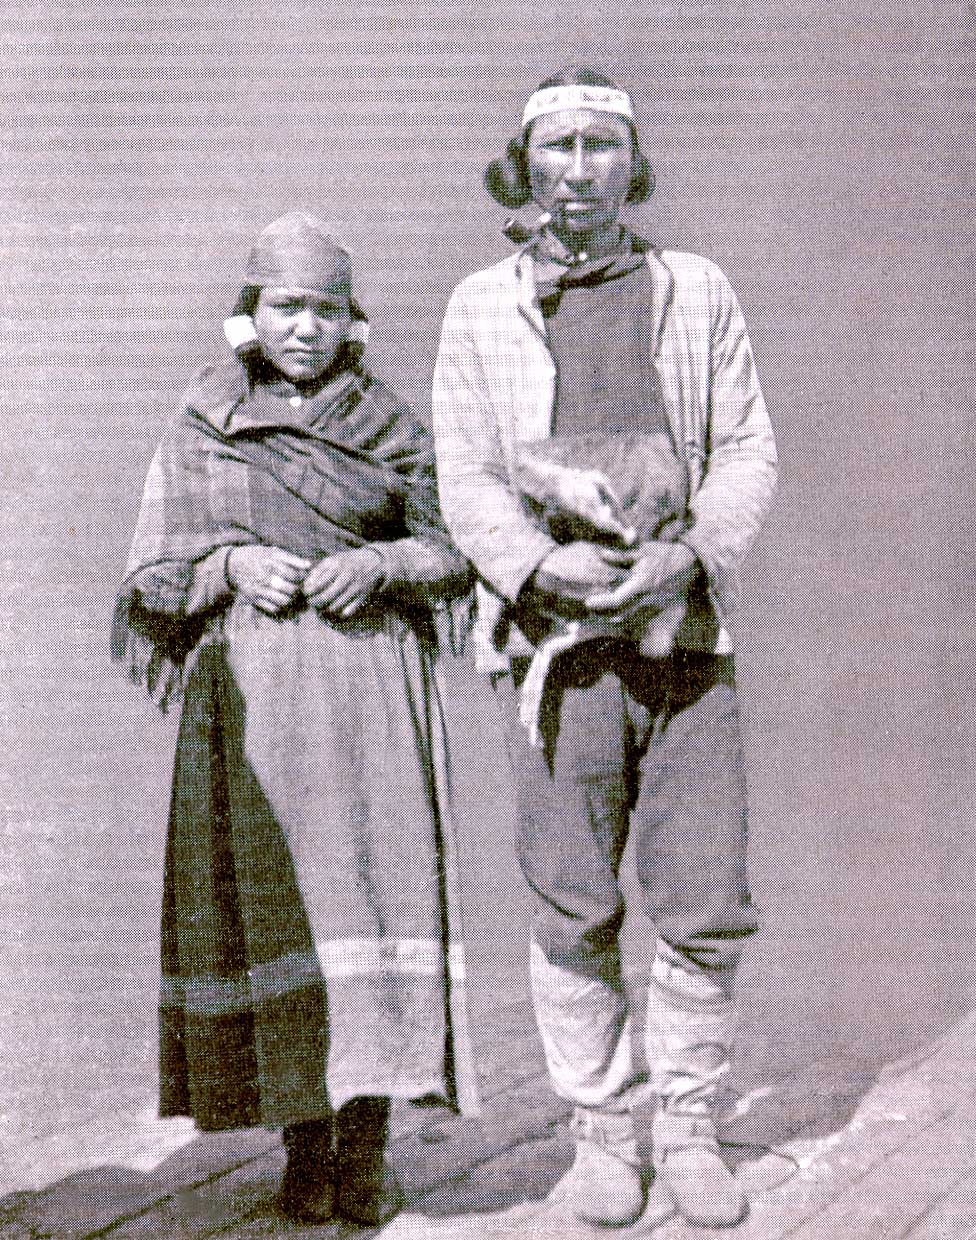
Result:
pixel 421 957
pixel 209 995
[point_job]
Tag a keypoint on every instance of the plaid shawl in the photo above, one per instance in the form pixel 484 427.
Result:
pixel 241 464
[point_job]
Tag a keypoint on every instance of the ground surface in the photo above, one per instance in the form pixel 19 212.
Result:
pixel 900 1167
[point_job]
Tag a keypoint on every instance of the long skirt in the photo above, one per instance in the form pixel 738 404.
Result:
pixel 311 937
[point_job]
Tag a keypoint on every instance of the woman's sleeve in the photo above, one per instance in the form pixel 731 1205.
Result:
pixel 427 558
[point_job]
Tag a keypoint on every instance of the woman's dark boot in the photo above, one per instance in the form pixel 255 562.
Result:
pixel 366 1189
pixel 307 1193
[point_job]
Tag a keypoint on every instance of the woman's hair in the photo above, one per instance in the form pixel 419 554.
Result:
pixel 507 178
pixel 247 302
pixel 350 353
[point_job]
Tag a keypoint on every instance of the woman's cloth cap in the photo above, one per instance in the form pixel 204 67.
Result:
pixel 571 98
pixel 299 251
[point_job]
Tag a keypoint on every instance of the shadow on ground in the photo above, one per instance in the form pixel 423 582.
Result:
pixel 514 1153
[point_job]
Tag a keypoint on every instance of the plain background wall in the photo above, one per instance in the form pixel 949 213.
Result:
pixel 822 156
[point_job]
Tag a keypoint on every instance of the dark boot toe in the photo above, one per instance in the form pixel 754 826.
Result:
pixel 367 1192
pixel 307 1190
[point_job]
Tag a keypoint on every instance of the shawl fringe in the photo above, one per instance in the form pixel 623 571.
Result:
pixel 154 650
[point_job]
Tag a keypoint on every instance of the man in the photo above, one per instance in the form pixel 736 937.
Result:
pixel 587 330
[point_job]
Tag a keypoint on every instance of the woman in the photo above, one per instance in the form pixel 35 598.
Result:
pixel 590 334
pixel 288 553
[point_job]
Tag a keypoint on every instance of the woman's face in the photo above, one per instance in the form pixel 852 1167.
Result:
pixel 301 330
pixel 580 165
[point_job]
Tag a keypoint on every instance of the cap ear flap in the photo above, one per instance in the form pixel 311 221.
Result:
pixel 642 180
pixel 507 179
pixel 240 333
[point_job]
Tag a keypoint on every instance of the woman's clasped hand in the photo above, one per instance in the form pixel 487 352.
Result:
pixel 274 579
pixel 571 573
pixel 268 577
pixel 341 583
pixel 659 575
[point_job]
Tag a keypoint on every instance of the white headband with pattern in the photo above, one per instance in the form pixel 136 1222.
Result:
pixel 571 98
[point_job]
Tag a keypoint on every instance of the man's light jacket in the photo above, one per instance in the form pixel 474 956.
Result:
pixel 495 384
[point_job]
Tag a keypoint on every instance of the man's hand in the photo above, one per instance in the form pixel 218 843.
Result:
pixel 341 583
pixel 571 573
pixel 268 577
pixel 660 576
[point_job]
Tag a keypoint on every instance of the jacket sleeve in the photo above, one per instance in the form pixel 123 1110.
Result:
pixel 739 469
pixel 483 512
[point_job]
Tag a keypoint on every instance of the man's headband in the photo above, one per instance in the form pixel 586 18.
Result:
pixel 571 98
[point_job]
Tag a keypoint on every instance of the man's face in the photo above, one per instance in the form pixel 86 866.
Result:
pixel 580 166
pixel 301 330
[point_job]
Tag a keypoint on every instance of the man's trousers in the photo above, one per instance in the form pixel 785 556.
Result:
pixel 647 751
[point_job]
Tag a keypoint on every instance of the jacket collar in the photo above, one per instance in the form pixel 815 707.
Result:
pixel 528 300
